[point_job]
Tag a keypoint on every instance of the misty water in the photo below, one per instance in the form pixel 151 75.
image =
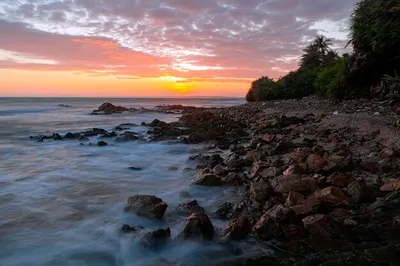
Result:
pixel 62 203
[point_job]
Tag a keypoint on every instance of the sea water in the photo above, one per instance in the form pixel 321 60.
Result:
pixel 61 203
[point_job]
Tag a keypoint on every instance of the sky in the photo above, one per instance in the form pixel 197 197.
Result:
pixel 154 48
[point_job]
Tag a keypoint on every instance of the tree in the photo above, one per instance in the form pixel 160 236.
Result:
pixel 318 53
pixel 322 44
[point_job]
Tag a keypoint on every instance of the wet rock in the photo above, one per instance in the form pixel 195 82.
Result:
pixel 224 211
pixel 320 225
pixel 131 229
pixel 207 178
pixel 360 192
pixel 294 198
pixel 297 183
pixel 232 179
pixel 260 191
pixel 184 194
pixel 391 186
pixel 57 136
pixel 197 227
pixel 127 136
pixel 83 138
pixel 94 132
pixel 189 207
pixel 109 135
pixel 237 228
pixel 340 179
pixel 220 170
pixel 134 168
pixel 102 143
pixel 155 239
pixel 109 108
pixel 70 135
pixel 332 196
pixel 146 205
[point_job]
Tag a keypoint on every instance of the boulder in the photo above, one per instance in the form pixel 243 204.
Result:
pixel 102 143
pixel 282 214
pixel 294 198
pixel 260 191
pixel 268 228
pixel 320 226
pixel 57 136
pixel 332 196
pixel 189 207
pixel 207 178
pixel 340 179
pixel 297 183
pixel 237 228
pixel 131 229
pixel 70 135
pixel 393 185
pixel 147 206
pixel 232 179
pixel 220 170
pixel 224 211
pixel 109 108
pixel 155 239
pixel 127 136
pixel 360 192
pixel 197 227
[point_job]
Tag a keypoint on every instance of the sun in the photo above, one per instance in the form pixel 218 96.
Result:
pixel 176 84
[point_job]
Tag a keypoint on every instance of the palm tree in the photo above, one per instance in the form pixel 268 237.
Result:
pixel 322 43
pixel 311 57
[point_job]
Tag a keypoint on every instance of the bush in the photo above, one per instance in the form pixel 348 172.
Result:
pixel 298 84
pixel 327 80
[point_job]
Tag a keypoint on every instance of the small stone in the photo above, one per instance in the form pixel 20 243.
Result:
pixel 260 191
pixel 134 168
pixel 391 186
pixel 131 229
pixel 319 225
pixel 294 169
pixel 102 143
pixel 308 207
pixel 333 196
pixel 237 228
pixel 294 198
pixel 340 179
pixel 360 192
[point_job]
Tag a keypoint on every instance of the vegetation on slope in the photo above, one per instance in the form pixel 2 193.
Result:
pixel 371 70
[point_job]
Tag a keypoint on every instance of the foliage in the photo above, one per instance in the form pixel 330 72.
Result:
pixel 327 80
pixel 298 84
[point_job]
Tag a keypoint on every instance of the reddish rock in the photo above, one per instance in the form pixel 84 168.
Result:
pixel 237 228
pixel 197 227
pixel 269 173
pixel 333 196
pixel 318 163
pixel 293 231
pixel 370 167
pixel 146 206
pixel 268 228
pixel 268 138
pixel 206 178
pixel 388 153
pixel 253 156
pixel 220 170
pixel 260 191
pixel 294 169
pixel 285 184
pixel 391 186
pixel 189 207
pixel 257 168
pixel 232 179
pixel 282 214
pixel 294 198
pixel 301 154
pixel 156 238
pixel 308 207
pixel 341 160
pixel 340 179
pixel 319 225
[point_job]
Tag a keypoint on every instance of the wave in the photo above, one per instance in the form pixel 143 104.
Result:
pixel 31 109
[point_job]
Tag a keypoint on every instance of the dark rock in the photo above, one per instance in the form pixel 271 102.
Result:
pixel 57 136
pixel 320 225
pixel 268 228
pixel 108 108
pixel 155 239
pixel 127 136
pixel 232 179
pixel 131 229
pixel 206 178
pixel 134 168
pixel 94 132
pixel 224 211
pixel 319 164
pixel 197 227
pixel 294 198
pixel 282 214
pixel 309 206
pixel 332 196
pixel 109 135
pixel 260 191
pixel 102 143
pixel 83 138
pixel 146 206
pixel 360 192
pixel 389 153
pixel 390 186
pixel 189 207
pixel 340 179
pixel 237 228
pixel 294 169
pixel 70 135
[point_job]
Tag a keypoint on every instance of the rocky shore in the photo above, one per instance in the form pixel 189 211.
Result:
pixel 321 180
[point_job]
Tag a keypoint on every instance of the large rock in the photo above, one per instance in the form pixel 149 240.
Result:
pixel 155 239
pixel 237 228
pixel 127 136
pixel 207 178
pixel 224 211
pixel 332 196
pixel 294 198
pixel 297 183
pixel 360 192
pixel 147 206
pixel 232 179
pixel 189 207
pixel 282 214
pixel 340 179
pixel 109 108
pixel 308 207
pixel 268 228
pixel 197 227
pixel 320 226
pixel 260 191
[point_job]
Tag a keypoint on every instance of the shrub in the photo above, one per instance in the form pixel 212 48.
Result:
pixel 327 80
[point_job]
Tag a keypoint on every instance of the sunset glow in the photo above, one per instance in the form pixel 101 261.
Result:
pixel 156 48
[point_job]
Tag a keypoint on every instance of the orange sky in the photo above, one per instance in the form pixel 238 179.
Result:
pixel 157 48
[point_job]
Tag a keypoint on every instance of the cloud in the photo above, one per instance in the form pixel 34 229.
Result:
pixel 195 40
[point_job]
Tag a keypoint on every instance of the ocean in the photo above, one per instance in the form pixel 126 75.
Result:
pixel 62 203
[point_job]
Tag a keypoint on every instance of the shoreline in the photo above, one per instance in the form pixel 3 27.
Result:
pixel 313 173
